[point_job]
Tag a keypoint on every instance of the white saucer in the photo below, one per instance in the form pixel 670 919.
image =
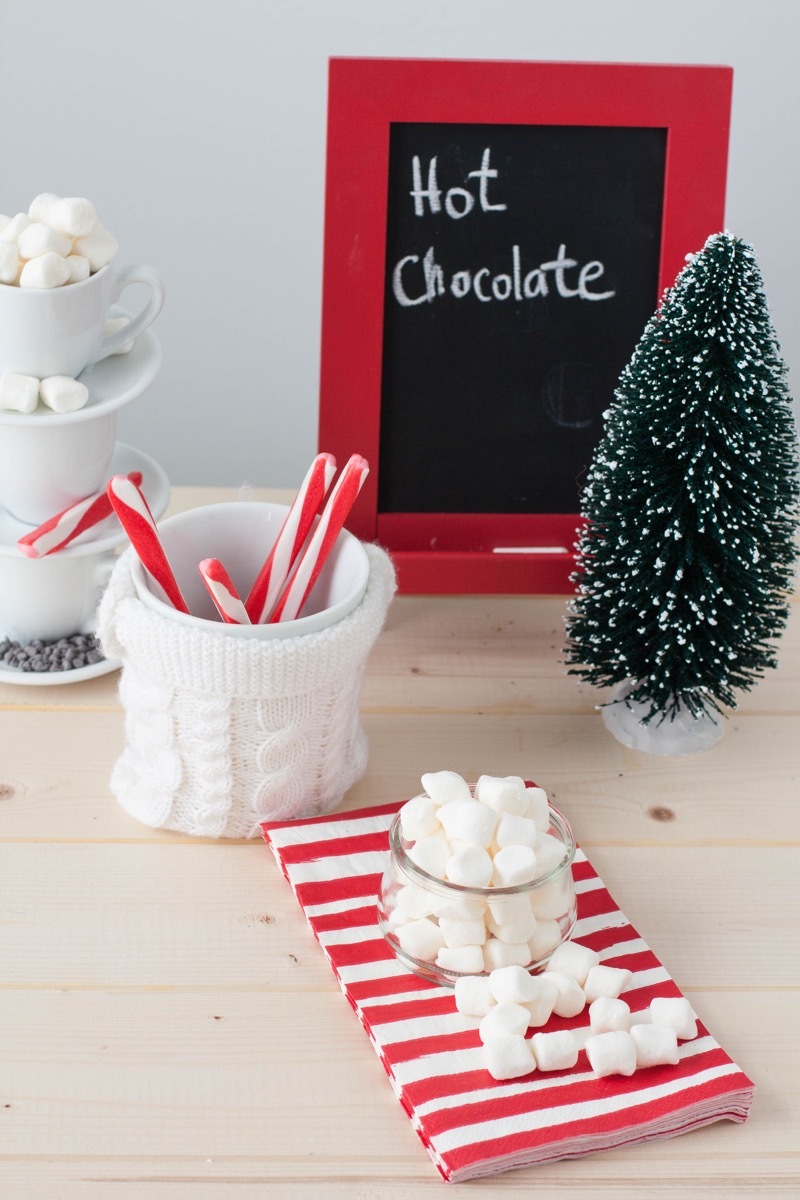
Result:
pixel 113 382
pixel 54 678
pixel 108 533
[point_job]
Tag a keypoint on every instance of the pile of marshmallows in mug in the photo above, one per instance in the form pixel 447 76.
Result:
pixel 59 240
pixel 499 838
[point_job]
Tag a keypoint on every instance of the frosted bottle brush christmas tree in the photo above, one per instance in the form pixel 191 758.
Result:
pixel 692 506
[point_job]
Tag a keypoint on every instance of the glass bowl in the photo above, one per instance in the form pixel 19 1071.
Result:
pixel 541 914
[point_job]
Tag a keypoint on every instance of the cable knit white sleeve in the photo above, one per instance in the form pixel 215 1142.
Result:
pixel 222 733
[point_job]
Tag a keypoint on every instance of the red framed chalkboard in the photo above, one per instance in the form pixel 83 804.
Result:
pixel 496 236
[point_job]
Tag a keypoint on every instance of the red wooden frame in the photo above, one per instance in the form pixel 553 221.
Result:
pixel 454 552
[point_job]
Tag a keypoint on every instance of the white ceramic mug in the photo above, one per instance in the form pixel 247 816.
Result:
pixel 240 534
pixel 59 331
pixel 51 597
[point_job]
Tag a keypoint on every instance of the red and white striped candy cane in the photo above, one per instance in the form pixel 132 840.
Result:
pixel 65 526
pixel 289 542
pixel 315 555
pixel 222 591
pixel 138 522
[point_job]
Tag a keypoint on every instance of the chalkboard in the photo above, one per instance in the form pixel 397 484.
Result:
pixel 496 237
pixel 522 264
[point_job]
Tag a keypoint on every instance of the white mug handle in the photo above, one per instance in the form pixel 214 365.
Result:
pixel 113 342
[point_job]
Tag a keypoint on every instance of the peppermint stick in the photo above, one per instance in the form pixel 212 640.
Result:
pixel 289 542
pixel 138 522
pixel 222 591
pixel 315 555
pixel 63 528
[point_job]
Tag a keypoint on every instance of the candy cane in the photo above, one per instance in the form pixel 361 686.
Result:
pixel 138 522
pixel 315 555
pixel 289 542
pixel 223 592
pixel 63 528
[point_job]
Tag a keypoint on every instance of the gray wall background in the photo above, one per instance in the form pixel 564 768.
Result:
pixel 198 129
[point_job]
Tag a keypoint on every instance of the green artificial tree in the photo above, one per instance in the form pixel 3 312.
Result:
pixel 691 501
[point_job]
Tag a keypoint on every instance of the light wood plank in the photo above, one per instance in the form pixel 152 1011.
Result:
pixel 177 1079
pixel 56 786
pixel 194 915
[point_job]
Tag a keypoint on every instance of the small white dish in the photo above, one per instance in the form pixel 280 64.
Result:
pixel 108 533
pixel 14 676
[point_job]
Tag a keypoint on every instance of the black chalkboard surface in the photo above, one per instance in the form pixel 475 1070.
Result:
pixel 522 263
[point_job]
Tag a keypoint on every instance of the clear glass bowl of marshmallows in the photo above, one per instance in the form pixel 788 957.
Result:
pixel 479 877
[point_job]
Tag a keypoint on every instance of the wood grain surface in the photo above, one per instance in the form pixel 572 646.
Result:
pixel 169 1029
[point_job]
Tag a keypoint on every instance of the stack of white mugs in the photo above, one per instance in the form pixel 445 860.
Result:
pixel 70 360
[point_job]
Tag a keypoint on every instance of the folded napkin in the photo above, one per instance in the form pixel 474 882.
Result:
pixel 470 1124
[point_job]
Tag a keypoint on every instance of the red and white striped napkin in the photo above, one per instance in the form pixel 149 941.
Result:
pixel 470 1124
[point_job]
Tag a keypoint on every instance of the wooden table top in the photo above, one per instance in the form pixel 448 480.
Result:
pixel 169 1029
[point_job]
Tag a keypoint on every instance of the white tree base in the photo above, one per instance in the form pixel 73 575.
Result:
pixel 685 734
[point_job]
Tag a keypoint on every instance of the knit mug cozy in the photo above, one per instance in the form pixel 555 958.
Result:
pixel 222 733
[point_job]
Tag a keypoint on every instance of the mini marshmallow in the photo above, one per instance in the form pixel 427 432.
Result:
pixel 571 999
pixel 555 1051
pixel 571 958
pixel 550 853
pixel 415 900
pixel 41 205
pixel 463 933
pixel 538 808
pixel 503 1020
pixel 505 954
pixel 468 822
pixel 607 1014
pixel 418 817
pixel 9 262
pixel 542 1005
pixel 445 786
pixel 508 908
pixel 4 220
pixel 19 393
pixel 79 270
pixel 546 937
pixel 37 238
pixel 552 900
pixel 14 227
pixel 509 1057
pixel 503 795
pixel 606 981
pixel 63 394
pixel 431 855
pixel 514 865
pixel 675 1012
pixel 611 1054
pixel 73 215
pixel 656 1045
pixel 515 831
pixel 421 939
pixel 46 271
pixel 466 960
pixel 512 985
pixel 399 916
pixel 471 867
pixel 99 247
pixel 458 908
pixel 520 930
pixel 473 995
